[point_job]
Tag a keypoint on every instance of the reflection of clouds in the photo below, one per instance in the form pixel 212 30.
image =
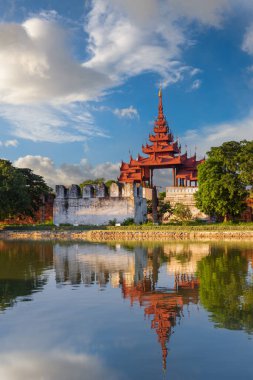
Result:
pixel 53 366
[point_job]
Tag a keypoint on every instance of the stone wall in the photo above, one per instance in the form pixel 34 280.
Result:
pixel 184 195
pixel 95 205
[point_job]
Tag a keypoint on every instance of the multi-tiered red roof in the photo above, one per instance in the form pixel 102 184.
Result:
pixel 163 152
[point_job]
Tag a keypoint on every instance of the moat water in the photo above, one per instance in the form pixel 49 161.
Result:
pixel 178 310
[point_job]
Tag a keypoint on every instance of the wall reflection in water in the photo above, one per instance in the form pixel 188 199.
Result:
pixel 217 276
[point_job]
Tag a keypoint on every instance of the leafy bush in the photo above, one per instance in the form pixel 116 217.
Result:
pixel 128 222
pixel 182 212
pixel 109 183
pixel 112 222
pixel 162 195
pixel 96 181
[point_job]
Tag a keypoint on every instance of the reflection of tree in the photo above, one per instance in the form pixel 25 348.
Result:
pixel 21 269
pixel 224 289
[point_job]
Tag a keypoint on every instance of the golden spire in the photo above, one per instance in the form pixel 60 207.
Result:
pixel 160 92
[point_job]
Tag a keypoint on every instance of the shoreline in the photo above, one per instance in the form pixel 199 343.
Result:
pixel 127 235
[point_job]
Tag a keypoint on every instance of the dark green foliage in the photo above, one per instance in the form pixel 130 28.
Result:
pixel 37 188
pixel 14 197
pixel 162 195
pixel 149 206
pixel 112 222
pixel 128 222
pixel 109 182
pixel 20 191
pixel 96 181
pixel 223 178
pixel 165 207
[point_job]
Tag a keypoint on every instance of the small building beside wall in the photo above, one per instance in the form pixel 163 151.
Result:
pixel 185 195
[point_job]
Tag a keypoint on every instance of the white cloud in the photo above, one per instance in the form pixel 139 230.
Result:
pixel 247 44
pixel 58 124
pixel 129 112
pixel 124 39
pixel 36 66
pixel 127 38
pixel 121 46
pixel 196 84
pixel 9 143
pixel 67 174
pixel 207 12
pixel 215 135
pixel 53 365
pixel 41 83
pixel 195 71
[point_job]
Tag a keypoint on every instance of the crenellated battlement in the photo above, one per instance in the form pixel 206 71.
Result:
pixel 116 190
pixel 96 204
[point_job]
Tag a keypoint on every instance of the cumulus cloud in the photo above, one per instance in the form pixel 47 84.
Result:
pixel 42 83
pixel 129 113
pixel 127 38
pixel 124 39
pixel 67 174
pixel 53 365
pixel 120 46
pixel 36 66
pixel 215 135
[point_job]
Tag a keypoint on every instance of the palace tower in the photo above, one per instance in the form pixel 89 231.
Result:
pixel 163 152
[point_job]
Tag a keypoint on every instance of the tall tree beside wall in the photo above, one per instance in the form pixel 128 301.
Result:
pixel 20 191
pixel 223 179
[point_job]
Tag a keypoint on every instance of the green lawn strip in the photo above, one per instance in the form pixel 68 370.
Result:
pixel 145 227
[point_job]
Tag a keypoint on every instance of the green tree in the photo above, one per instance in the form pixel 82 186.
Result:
pixel 14 198
pixel 20 191
pixel 96 181
pixel 37 189
pixel 223 178
pixel 246 162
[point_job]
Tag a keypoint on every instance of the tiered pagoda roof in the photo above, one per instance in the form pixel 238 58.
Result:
pixel 163 152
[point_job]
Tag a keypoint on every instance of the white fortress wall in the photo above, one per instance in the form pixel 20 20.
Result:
pixel 94 205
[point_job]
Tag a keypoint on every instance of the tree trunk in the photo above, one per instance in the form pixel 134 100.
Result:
pixel 154 205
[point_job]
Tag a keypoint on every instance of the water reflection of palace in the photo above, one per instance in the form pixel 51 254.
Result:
pixel 161 279
pixel 136 270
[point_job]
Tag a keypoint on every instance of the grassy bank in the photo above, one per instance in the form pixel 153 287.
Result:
pixel 178 227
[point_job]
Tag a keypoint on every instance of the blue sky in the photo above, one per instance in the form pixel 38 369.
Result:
pixel 79 80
